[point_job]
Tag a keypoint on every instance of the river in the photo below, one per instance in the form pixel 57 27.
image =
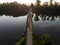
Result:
pixel 12 28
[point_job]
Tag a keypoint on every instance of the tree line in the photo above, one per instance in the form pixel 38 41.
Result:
pixel 52 9
pixel 17 9
pixel 13 9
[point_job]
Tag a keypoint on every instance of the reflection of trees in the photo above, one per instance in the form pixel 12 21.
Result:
pixel 46 17
pixel 52 18
pixel 36 18
pixel 59 17
pixel 43 18
pixel 56 16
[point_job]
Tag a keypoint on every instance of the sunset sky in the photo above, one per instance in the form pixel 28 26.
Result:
pixel 25 1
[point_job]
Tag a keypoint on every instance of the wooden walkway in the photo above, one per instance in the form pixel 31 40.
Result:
pixel 29 29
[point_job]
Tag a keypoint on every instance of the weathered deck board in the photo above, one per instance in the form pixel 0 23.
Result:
pixel 29 29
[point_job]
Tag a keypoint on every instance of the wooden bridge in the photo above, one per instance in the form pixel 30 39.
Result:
pixel 29 29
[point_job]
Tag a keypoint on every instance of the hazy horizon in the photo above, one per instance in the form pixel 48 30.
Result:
pixel 28 2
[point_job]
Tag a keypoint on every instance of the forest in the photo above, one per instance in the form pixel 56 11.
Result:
pixel 13 9
pixel 48 9
pixel 17 9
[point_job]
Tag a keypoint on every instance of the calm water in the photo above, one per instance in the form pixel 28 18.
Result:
pixel 12 28
pixel 48 25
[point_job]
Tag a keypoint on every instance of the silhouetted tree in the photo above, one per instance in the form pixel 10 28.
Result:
pixel 32 7
pixel 56 3
pixel 51 2
pixel 38 3
pixel 13 9
pixel 45 4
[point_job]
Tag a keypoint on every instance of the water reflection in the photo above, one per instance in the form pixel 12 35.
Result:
pixel 48 24
pixel 11 29
pixel 46 17
pixel 36 18
pixel 43 17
